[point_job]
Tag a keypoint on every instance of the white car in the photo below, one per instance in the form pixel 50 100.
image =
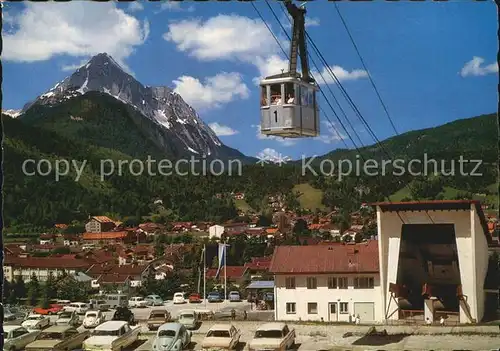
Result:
pixel 273 336
pixel 78 307
pixel 17 337
pixel 36 322
pixel 179 298
pixel 154 300
pixel 93 318
pixel 137 301
pixel 68 318
pixel 112 336
pixel 221 336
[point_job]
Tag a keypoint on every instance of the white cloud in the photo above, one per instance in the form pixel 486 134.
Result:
pixel 174 6
pixel 475 67
pixel 135 6
pixel 271 155
pixel 213 92
pixel 341 74
pixel 310 21
pixel 221 130
pixel 282 141
pixel 73 67
pixel 222 37
pixel 77 28
pixel 269 66
pixel 330 134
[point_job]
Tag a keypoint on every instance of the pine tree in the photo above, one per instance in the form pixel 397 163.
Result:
pixel 33 290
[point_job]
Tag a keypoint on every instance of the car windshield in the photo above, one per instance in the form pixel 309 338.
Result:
pixel 106 332
pixel 157 315
pixel 273 334
pixel 91 315
pixel 218 334
pixel 139 299
pixel 35 318
pixel 65 315
pixel 166 334
pixel 187 316
pixel 50 336
pixel 214 295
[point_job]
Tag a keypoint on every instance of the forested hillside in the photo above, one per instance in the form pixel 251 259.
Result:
pixel 40 201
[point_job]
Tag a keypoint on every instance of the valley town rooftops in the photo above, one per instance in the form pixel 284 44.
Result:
pixel 103 219
pixel 349 258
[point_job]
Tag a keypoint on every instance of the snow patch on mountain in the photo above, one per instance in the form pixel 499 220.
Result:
pixel 12 113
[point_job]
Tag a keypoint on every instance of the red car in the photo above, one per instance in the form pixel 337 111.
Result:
pixel 194 298
pixel 53 309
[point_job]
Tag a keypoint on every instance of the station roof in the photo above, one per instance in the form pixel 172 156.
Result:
pixel 261 284
pixel 436 205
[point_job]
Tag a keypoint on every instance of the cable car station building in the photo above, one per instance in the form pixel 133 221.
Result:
pixel 433 259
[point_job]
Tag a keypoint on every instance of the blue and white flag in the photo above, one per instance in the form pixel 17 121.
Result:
pixel 222 259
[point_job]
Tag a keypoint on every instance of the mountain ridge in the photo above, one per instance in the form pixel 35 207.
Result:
pixel 178 125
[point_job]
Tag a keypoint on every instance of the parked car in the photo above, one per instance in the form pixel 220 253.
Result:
pixel 214 296
pixel 68 318
pixel 194 298
pixel 172 336
pixel 124 314
pixel 111 336
pixel 179 298
pixel 157 318
pixel 221 336
pixel 58 338
pixel 101 305
pixel 273 336
pixel 53 309
pixel 268 296
pixel 115 300
pixel 78 307
pixel 8 315
pixel 93 318
pixel 137 302
pixel 17 337
pixel 36 322
pixel 234 296
pixel 154 300
pixel 189 318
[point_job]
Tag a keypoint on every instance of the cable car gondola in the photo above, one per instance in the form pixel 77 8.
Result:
pixel 289 108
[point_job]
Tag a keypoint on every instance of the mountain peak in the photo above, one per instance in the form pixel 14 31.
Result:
pixel 102 59
pixel 159 104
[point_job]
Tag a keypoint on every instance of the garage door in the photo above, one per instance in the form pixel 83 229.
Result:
pixel 365 310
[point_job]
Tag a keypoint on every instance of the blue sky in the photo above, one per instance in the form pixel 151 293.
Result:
pixel 431 62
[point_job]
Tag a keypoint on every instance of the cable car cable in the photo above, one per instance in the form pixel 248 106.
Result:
pixel 288 58
pixel 322 92
pixel 326 99
pixel 366 69
pixel 320 74
pixel 345 95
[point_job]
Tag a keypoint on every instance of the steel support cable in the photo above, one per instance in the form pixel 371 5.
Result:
pixel 286 55
pixel 326 99
pixel 356 110
pixel 366 69
pixel 320 74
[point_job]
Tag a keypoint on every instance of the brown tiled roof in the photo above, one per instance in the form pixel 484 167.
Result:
pixel 103 219
pixel 61 226
pixel 47 262
pixel 326 259
pixel 232 272
pixel 104 235
pixel 111 268
pixel 13 249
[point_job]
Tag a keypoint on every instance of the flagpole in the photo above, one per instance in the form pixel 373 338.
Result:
pixel 225 271
pixel 205 274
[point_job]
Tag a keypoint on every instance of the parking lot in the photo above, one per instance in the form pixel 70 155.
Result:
pixel 315 337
